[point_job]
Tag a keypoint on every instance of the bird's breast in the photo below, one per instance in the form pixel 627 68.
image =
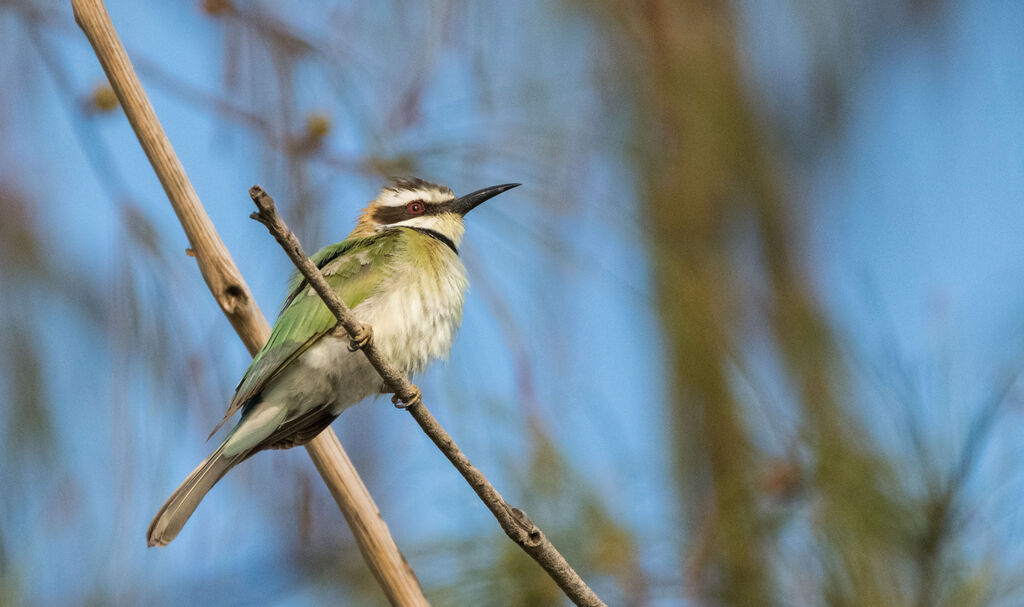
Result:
pixel 417 312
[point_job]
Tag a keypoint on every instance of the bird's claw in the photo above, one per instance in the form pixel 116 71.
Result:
pixel 413 398
pixel 363 338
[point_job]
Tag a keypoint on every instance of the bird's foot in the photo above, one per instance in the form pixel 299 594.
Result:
pixel 363 338
pixel 413 398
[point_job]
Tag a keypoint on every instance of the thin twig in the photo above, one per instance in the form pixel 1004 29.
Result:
pixel 513 521
pixel 225 281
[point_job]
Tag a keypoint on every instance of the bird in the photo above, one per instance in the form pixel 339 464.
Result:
pixel 400 273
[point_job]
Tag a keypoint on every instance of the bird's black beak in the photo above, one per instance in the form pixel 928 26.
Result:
pixel 469 202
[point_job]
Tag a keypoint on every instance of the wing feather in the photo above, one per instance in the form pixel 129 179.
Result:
pixel 354 268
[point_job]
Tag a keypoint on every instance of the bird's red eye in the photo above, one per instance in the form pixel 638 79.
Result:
pixel 415 208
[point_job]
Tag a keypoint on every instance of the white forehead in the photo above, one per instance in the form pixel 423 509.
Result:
pixel 401 196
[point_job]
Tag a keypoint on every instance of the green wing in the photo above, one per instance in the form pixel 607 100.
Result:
pixel 354 268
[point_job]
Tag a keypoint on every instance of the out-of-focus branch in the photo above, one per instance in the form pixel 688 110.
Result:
pixel 513 521
pixel 232 294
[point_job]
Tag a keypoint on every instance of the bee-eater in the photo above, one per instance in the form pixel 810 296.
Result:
pixel 399 272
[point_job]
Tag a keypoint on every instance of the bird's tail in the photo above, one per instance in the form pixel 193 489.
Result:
pixel 183 502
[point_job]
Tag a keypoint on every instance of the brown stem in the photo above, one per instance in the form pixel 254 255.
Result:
pixel 232 294
pixel 513 521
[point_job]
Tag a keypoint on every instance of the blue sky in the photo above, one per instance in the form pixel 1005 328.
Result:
pixel 913 228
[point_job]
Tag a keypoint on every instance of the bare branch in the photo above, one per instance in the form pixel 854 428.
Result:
pixel 232 294
pixel 513 521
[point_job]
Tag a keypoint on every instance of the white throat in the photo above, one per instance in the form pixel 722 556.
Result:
pixel 448 225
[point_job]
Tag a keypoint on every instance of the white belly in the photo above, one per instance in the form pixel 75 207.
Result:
pixel 415 322
pixel 414 319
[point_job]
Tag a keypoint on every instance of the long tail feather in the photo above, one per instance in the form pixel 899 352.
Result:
pixel 183 502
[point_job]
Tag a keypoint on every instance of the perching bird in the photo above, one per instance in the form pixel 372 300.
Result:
pixel 399 272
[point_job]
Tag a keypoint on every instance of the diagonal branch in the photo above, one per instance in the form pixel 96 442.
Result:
pixel 513 521
pixel 232 294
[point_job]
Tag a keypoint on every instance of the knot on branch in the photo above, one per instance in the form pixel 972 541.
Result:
pixel 232 298
pixel 409 399
pixel 532 533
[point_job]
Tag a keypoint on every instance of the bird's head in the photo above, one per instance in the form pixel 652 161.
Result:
pixel 420 204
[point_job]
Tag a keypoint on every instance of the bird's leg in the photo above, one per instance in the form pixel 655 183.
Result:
pixel 362 338
pixel 411 399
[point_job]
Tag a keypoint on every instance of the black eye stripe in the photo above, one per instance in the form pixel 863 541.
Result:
pixel 387 214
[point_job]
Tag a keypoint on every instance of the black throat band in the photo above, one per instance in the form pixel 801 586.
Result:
pixel 438 236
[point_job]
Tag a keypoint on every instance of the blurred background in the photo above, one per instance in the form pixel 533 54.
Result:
pixel 749 334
